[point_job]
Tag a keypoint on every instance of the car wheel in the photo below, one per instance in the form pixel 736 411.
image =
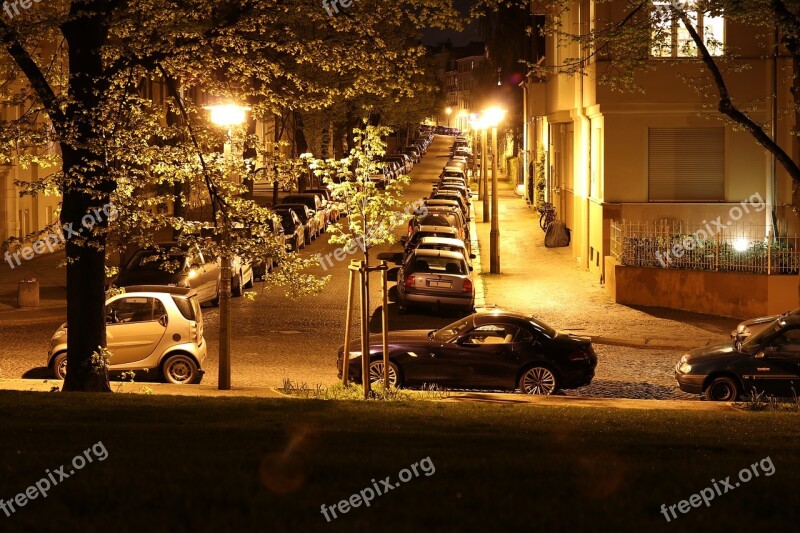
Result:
pixel 180 369
pixel 60 365
pixel 722 389
pixel 376 372
pixel 538 380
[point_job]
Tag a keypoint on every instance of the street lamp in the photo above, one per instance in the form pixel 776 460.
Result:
pixel 493 117
pixel 447 111
pixel 227 116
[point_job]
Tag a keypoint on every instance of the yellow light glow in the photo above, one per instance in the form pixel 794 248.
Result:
pixel 448 110
pixel 740 244
pixel 493 116
pixel 228 114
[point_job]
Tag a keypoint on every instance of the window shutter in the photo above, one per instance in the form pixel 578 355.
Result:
pixel 686 164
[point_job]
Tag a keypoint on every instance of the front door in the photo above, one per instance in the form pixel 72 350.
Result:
pixel 135 326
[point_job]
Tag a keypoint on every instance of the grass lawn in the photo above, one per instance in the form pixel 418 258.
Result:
pixel 243 464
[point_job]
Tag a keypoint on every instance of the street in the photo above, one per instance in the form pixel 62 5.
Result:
pixel 276 337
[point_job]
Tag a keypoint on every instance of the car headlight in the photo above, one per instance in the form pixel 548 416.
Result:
pixel 683 366
pixel 353 355
pixel 58 334
pixel 741 329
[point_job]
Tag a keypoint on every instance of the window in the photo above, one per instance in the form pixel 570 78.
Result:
pixel 686 164
pixel 134 309
pixel 788 341
pixel 669 37
pixel 491 334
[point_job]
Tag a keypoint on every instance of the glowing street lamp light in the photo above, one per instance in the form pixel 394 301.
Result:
pixel 447 111
pixel 227 116
pixel 493 116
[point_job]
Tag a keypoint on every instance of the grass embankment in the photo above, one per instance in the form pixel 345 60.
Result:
pixel 241 464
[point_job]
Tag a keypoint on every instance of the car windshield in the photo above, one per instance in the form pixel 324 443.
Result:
pixel 153 260
pixel 456 329
pixel 439 265
pixel 761 336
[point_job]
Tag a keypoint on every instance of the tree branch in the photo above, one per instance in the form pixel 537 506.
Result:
pixel 10 39
pixel 726 106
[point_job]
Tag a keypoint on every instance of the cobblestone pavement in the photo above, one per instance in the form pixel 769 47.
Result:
pixel 276 337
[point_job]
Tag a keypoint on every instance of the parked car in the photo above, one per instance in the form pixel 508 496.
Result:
pixel 437 279
pixel 441 218
pixel 410 242
pixel 262 268
pixel 294 229
pixel 443 243
pixel 443 202
pixel 488 350
pixel 314 204
pixel 176 265
pixel 147 328
pixel 754 325
pixel 767 361
pixel 463 203
pixel 380 178
pixel 330 206
pixel 413 151
pixel 310 222
pixel 453 172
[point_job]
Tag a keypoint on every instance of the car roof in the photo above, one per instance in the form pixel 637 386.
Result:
pixel 486 317
pixel 447 254
pixel 442 240
pixel 442 202
pixel 290 206
pixel 159 289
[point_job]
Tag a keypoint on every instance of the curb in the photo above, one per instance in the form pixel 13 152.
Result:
pixel 477 279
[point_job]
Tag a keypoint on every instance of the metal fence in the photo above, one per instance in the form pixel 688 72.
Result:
pixel 740 247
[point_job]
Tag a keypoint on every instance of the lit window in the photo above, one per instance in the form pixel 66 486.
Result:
pixel 669 37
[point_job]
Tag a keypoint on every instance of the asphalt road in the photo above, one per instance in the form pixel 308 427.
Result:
pixel 276 337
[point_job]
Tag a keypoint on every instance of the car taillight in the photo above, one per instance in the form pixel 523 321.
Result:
pixel 409 282
pixel 467 285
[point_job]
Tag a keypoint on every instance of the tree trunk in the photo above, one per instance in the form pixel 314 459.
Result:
pixel 85 192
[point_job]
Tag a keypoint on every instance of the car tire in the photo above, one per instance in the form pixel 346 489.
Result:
pixel 376 372
pixel 60 365
pixel 722 389
pixel 180 369
pixel 538 379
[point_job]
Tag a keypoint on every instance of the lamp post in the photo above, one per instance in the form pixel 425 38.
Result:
pixel 494 116
pixel 447 111
pixel 227 116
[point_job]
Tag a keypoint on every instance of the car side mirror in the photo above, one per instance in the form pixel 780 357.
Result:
pixel 472 256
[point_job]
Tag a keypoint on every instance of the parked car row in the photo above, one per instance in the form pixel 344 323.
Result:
pixel 401 162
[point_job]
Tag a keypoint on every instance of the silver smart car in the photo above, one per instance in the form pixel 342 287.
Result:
pixel 147 327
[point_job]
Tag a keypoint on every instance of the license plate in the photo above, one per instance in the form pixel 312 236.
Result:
pixel 439 284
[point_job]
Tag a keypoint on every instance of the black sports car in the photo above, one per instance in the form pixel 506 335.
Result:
pixel 488 350
pixel 768 361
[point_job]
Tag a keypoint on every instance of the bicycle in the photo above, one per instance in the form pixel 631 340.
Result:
pixel 547 217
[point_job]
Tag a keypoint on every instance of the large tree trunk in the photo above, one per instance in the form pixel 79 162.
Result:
pixel 85 193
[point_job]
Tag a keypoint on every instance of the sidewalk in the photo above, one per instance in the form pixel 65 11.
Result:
pixel 547 283
pixel 52 290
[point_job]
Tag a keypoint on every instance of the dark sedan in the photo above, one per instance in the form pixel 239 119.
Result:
pixel 490 350
pixel 768 362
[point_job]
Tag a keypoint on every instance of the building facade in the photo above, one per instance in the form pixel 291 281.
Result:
pixel 663 153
